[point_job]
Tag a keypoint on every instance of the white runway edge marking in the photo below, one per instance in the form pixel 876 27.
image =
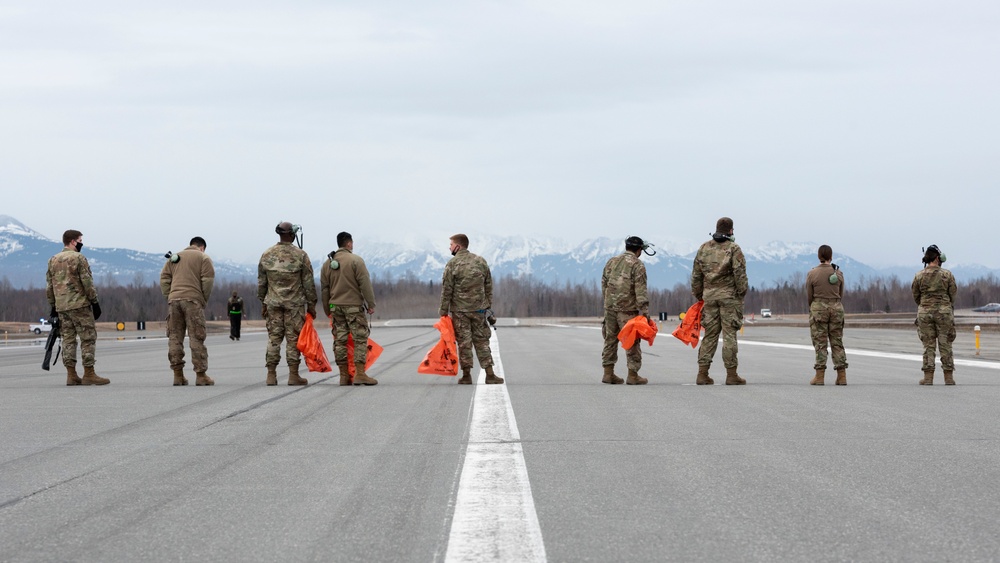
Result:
pixel 873 354
pixel 495 518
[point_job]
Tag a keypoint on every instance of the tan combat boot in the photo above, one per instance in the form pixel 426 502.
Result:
pixel 345 374
pixel 90 377
pixel 610 377
pixel 818 378
pixel 733 378
pixel 293 376
pixel 928 378
pixel 361 378
pixel 703 378
pixel 842 376
pixel 71 377
pixel 948 378
pixel 492 378
pixel 202 379
pixel 272 375
pixel 466 378
pixel 634 379
pixel 179 378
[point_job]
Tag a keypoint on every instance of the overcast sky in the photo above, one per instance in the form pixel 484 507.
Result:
pixel 868 125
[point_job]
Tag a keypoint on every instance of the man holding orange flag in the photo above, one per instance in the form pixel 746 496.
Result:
pixel 623 286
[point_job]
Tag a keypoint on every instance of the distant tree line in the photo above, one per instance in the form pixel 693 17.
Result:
pixel 409 297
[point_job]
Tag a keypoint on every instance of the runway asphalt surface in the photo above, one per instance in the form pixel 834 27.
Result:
pixel 559 467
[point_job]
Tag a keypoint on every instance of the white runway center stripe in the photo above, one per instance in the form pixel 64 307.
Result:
pixel 495 518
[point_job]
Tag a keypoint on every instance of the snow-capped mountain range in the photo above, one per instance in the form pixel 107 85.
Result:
pixel 24 254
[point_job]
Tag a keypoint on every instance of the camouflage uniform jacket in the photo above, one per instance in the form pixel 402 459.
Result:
pixel 623 284
pixel 189 279
pixel 934 286
pixel 348 285
pixel 818 284
pixel 467 284
pixel 285 277
pixel 719 272
pixel 69 284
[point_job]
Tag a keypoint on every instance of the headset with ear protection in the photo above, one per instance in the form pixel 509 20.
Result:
pixel 935 248
pixel 295 230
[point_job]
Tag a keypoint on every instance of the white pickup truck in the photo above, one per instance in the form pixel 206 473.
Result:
pixel 42 326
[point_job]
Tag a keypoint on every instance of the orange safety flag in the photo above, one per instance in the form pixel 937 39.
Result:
pixel 374 351
pixel 689 330
pixel 442 359
pixel 312 347
pixel 638 328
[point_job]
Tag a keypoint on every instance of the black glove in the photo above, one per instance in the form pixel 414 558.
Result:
pixel 97 309
pixel 311 311
pixel 54 313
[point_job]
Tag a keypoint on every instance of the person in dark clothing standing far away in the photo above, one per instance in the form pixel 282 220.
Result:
pixel 467 292
pixel 824 291
pixel 69 287
pixel 719 278
pixel 934 291
pixel 623 286
pixel 235 308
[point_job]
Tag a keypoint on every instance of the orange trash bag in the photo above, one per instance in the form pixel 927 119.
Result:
pixel 637 328
pixel 312 347
pixel 689 331
pixel 442 359
pixel 374 351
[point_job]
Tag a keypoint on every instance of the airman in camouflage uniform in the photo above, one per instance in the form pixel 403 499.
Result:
pixel 719 278
pixel 623 286
pixel 467 292
pixel 186 280
pixel 284 285
pixel 69 287
pixel 347 294
pixel 934 291
pixel 824 291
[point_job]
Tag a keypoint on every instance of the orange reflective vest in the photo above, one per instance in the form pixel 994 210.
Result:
pixel 637 328
pixel 312 347
pixel 689 330
pixel 442 359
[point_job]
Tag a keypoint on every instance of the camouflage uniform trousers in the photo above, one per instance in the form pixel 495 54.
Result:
pixel 936 326
pixel 612 325
pixel 284 324
pixel 350 321
pixel 186 316
pixel 723 316
pixel 472 330
pixel 73 323
pixel 826 323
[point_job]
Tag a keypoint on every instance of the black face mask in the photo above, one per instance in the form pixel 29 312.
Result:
pixel 79 246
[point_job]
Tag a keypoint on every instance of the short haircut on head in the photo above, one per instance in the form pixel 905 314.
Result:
pixel 343 238
pixel 460 240
pixel 199 242
pixel 71 235
pixel 724 225
pixel 825 253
